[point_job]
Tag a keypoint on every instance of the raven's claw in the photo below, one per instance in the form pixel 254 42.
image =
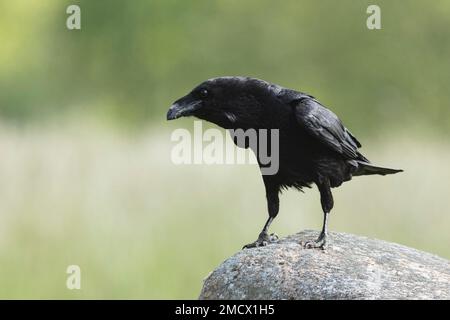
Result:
pixel 263 240
pixel 320 243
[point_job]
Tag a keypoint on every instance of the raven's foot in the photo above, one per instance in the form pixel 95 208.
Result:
pixel 320 243
pixel 263 240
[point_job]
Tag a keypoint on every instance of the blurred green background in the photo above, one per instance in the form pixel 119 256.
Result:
pixel 85 170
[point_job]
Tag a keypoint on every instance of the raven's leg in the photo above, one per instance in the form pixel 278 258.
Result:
pixel 264 238
pixel 326 199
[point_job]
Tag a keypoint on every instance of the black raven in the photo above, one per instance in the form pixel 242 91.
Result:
pixel 314 145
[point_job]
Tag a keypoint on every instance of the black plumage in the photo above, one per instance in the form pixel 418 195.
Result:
pixel 314 145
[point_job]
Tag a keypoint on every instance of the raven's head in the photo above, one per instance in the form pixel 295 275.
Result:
pixel 229 102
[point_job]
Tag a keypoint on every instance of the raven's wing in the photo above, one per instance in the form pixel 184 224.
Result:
pixel 326 127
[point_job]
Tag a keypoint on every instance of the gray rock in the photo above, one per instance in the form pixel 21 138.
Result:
pixel 352 267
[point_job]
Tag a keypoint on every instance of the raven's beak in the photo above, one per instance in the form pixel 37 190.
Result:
pixel 183 109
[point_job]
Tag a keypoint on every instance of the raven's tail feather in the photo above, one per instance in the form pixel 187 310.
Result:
pixel 365 168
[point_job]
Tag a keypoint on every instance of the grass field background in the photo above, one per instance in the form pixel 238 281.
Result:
pixel 141 227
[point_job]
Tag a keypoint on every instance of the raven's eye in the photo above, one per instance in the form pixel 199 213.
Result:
pixel 204 93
